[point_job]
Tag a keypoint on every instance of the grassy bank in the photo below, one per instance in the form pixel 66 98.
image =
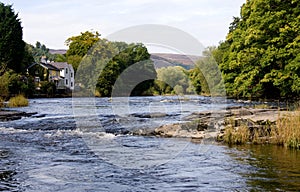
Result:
pixel 288 130
pixel 285 132
pixel 18 101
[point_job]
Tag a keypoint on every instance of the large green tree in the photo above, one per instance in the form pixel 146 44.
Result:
pixel 79 46
pixel 108 67
pixel 138 77
pixel 261 54
pixel 11 40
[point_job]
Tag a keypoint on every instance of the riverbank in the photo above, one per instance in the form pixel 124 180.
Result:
pixel 236 125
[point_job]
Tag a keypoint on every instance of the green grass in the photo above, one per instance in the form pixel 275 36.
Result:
pixel 18 101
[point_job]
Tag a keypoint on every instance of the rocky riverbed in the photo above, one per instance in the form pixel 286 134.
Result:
pixel 198 125
pixel 212 124
pixel 7 115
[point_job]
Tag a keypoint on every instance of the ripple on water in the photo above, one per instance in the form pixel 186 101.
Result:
pixel 51 153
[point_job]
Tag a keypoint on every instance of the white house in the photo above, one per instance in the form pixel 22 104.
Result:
pixel 66 75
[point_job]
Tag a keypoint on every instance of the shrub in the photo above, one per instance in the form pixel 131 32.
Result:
pixel 18 101
pixel 48 88
pixel 1 102
pixel 288 130
pixel 239 135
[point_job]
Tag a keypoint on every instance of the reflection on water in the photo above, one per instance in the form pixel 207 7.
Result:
pixel 271 168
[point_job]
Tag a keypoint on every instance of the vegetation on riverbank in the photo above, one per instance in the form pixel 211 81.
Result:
pixel 1 102
pixel 261 55
pixel 285 132
pixel 18 101
pixel 288 130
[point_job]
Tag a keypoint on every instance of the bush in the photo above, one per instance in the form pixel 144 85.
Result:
pixel 48 88
pixel 288 130
pixel 237 136
pixel 12 83
pixel 1 102
pixel 18 101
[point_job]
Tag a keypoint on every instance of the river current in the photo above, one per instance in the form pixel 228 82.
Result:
pixel 84 144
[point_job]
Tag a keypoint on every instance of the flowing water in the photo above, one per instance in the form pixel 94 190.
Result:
pixel 84 144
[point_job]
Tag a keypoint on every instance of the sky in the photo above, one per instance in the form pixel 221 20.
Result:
pixel 51 22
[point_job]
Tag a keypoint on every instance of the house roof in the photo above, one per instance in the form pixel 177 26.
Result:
pixel 60 65
pixel 49 66
pixel 45 65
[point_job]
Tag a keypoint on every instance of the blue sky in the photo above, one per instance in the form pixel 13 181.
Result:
pixel 52 22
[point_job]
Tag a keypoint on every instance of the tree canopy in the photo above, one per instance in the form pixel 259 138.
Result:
pixel 261 54
pixel 11 39
pixel 138 78
pixel 206 77
pixel 79 46
pixel 38 52
pixel 107 66
pixel 173 79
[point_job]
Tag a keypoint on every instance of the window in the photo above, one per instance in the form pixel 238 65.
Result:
pixel 66 70
pixel 67 82
pixel 71 84
pixel 71 74
pixel 37 79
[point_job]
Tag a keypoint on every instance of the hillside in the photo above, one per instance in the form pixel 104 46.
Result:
pixel 57 51
pixel 165 59
pixel 160 59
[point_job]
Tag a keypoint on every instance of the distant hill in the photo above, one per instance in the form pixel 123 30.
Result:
pixel 165 59
pixel 160 59
pixel 58 51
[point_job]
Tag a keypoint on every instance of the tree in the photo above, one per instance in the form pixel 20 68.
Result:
pixel 79 47
pixel 206 77
pixel 39 51
pixel 12 83
pixel 114 68
pixel 138 77
pixel 263 47
pixel 172 80
pixel 11 39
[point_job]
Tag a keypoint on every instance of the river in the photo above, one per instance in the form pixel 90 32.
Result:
pixel 83 144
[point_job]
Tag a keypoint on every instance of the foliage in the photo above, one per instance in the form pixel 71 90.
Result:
pixel 79 47
pixel 1 102
pixel 238 136
pixel 28 58
pixel 172 80
pixel 93 64
pixel 60 58
pixel 4 83
pixel 20 84
pixel 11 42
pixel 48 88
pixel 261 55
pixel 18 101
pixel 288 130
pixel 12 83
pixel 206 77
pixel 285 132
pixel 115 67
pixel 129 72
pixel 39 52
